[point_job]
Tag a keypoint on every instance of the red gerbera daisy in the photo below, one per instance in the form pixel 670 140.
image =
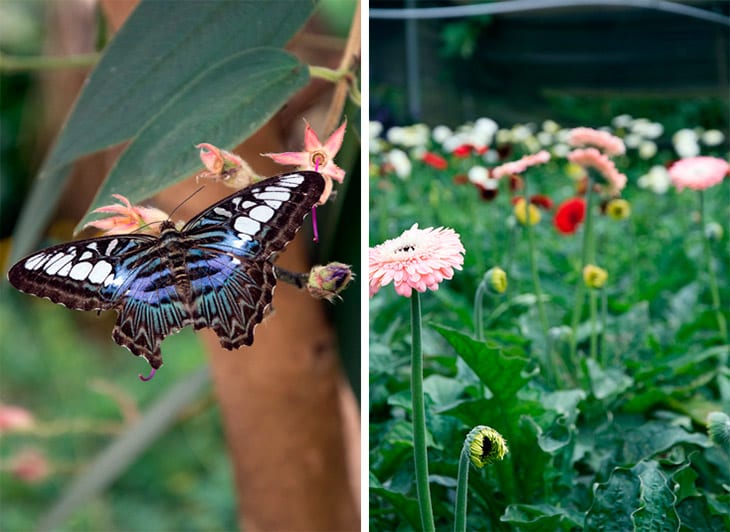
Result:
pixel 570 215
pixel 464 150
pixel 542 201
pixel 438 162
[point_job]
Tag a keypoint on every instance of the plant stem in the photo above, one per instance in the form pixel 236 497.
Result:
pixel 533 268
pixel 594 319
pixel 549 360
pixel 712 274
pixel 13 63
pixel 462 487
pixel 479 310
pixel 585 258
pixel 604 324
pixel 420 453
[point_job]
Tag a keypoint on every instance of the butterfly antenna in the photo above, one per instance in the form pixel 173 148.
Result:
pixel 145 226
pixel 183 202
pixel 169 217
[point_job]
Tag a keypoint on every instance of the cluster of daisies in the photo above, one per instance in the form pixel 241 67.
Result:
pixel 483 154
pixel 399 146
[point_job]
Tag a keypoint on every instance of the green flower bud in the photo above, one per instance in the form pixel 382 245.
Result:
pixel 713 231
pixel 496 280
pixel 718 428
pixel 326 282
pixel 485 445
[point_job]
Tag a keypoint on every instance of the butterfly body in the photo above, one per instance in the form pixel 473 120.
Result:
pixel 217 271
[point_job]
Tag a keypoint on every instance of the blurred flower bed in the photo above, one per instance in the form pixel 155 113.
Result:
pixel 602 357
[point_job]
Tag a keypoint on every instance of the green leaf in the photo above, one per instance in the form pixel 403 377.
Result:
pixel 684 479
pixel 442 390
pixel 157 54
pixel 641 443
pixel 500 372
pixel 695 514
pixel 406 507
pixel 539 517
pixel 657 511
pixel 607 383
pixel 223 106
pixel 614 502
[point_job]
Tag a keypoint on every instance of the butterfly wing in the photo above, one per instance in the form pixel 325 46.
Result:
pixel 123 273
pixel 82 275
pixel 232 244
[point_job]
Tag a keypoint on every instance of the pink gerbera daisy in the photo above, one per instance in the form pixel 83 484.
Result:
pixel 698 173
pixel 520 165
pixel 586 136
pixel 592 158
pixel 418 259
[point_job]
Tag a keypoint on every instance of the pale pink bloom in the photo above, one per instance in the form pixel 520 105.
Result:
pixel 217 160
pixel 225 166
pixel 603 140
pixel 520 165
pixel 129 219
pixel 592 158
pixel 30 465
pixel 316 156
pixel 15 418
pixel 698 173
pixel 418 259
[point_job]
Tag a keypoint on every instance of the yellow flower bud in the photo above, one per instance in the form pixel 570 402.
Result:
pixel 522 208
pixel 618 209
pixel 594 276
pixel 574 171
pixel 485 445
pixel 496 280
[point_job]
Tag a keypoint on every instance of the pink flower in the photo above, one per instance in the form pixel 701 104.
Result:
pixel 217 160
pixel 129 219
pixel 316 156
pixel 418 259
pixel 520 165
pixel 14 418
pixel 30 465
pixel 226 166
pixel 592 158
pixel 586 136
pixel 698 173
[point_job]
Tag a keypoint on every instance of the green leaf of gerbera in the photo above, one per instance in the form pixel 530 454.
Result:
pixel 501 373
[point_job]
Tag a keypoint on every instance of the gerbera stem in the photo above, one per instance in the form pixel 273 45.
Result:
pixel 462 487
pixel 479 309
pixel 585 258
pixel 420 453
pixel 593 298
pixel 604 322
pixel 533 269
pixel 536 279
pixel 712 274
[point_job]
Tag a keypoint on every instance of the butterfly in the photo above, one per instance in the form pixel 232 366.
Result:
pixel 217 271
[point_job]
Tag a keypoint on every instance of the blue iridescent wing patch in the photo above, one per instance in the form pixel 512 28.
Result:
pixel 216 272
